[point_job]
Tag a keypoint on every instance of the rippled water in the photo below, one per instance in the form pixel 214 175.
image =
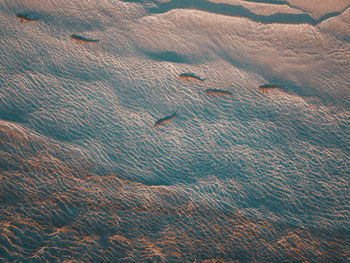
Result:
pixel 238 174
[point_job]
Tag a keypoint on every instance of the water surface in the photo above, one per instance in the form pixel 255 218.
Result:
pixel 251 177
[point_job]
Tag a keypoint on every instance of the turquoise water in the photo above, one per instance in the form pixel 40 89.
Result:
pixel 261 175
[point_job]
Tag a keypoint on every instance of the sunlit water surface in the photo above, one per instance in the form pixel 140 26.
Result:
pixel 244 176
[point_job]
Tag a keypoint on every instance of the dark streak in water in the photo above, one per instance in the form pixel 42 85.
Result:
pixel 333 14
pixel 134 1
pixel 83 39
pixel 218 92
pixel 276 2
pixel 165 119
pixel 234 10
pixel 281 2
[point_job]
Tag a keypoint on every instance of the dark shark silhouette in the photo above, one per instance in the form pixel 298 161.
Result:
pixel 25 17
pixel 266 88
pixel 218 92
pixel 190 77
pixel 165 119
pixel 83 39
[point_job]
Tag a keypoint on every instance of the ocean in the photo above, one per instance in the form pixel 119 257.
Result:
pixel 174 131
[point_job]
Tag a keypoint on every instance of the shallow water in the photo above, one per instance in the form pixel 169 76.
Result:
pixel 251 177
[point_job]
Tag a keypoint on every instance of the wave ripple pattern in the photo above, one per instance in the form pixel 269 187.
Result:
pixel 174 131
